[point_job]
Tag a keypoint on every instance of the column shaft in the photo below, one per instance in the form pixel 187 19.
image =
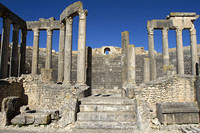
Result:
pixel 15 56
pixel 165 47
pixel 23 51
pixel 48 63
pixel 146 72
pixel 81 67
pixel 68 52
pixel 61 53
pixel 35 56
pixel 193 49
pixel 151 54
pixel 4 48
pixel 179 51
pixel 131 64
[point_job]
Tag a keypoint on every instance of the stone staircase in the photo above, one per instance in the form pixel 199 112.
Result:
pixel 106 113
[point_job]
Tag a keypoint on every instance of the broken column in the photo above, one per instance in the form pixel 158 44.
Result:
pixel 4 48
pixel 61 53
pixel 151 53
pixel 35 56
pixel 179 51
pixel 131 64
pixel 193 49
pixel 81 59
pixel 125 43
pixel 23 51
pixel 15 57
pixel 165 47
pixel 146 72
pixel 68 52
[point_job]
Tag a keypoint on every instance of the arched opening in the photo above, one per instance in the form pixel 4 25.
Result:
pixel 107 51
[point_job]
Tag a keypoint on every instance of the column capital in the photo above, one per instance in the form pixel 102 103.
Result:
pixel 62 26
pixel 179 29
pixel 69 20
pixel 36 31
pixel 165 29
pixel 192 30
pixel 49 31
pixel 82 13
pixel 150 30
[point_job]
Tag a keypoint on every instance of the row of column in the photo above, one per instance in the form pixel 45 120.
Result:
pixel 17 65
pixel 35 56
pixel 65 50
pixel 179 50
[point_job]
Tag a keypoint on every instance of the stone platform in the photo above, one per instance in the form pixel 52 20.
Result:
pixel 104 113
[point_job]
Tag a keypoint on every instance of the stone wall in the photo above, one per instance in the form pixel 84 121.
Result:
pixel 104 70
pixel 12 87
pixel 173 88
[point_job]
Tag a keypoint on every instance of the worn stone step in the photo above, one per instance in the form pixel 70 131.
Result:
pixel 108 100
pixel 111 92
pixel 108 107
pixel 107 116
pixel 105 125
pixel 105 131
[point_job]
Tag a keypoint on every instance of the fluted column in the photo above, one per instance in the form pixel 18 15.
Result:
pixel 61 53
pixel 151 53
pixel 15 57
pixel 146 72
pixel 4 48
pixel 48 63
pixel 35 56
pixel 179 51
pixel 68 51
pixel 81 67
pixel 193 49
pixel 165 47
pixel 131 64
pixel 23 51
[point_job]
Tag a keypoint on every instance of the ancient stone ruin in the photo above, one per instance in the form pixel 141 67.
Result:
pixel 98 90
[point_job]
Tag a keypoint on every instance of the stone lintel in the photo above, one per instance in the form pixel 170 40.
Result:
pixel 71 10
pixel 43 24
pixel 182 14
pixel 5 12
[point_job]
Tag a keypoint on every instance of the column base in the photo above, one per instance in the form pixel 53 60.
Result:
pixel 67 83
pixel 47 75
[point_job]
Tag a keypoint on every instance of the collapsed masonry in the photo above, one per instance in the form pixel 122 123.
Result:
pixel 126 90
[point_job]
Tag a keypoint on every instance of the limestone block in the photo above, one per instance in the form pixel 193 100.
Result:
pixel 178 113
pixel 47 75
pixel 10 108
pixel 42 118
pixel 68 116
pixel 23 119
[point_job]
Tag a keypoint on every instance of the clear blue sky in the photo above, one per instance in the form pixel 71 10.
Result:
pixel 108 18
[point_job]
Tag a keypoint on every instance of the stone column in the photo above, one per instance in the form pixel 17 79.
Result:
pixel 193 49
pixel 179 51
pixel 68 52
pixel 146 72
pixel 23 51
pixel 151 53
pixel 35 56
pixel 15 57
pixel 81 67
pixel 61 54
pixel 131 64
pixel 165 47
pixel 48 63
pixel 4 48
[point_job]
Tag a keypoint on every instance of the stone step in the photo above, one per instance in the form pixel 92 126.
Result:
pixel 112 92
pixel 108 107
pixel 107 116
pixel 108 100
pixel 105 131
pixel 105 125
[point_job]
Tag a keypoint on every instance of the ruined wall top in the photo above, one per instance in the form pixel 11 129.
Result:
pixel 6 13
pixel 71 10
pixel 44 24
